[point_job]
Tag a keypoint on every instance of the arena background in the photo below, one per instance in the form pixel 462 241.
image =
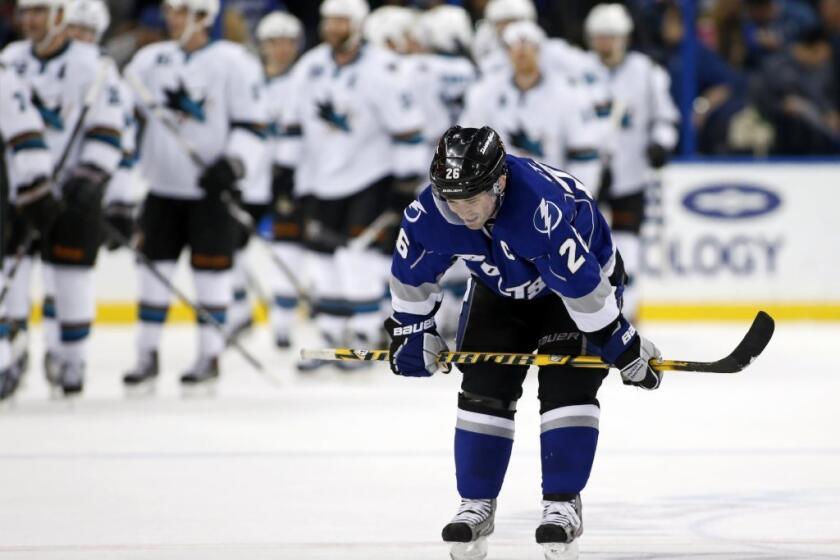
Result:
pixel 744 223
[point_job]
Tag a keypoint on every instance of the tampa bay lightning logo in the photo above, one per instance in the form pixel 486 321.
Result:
pixel 180 101
pixel 547 217
pixel 519 139
pixel 328 114
pixel 50 115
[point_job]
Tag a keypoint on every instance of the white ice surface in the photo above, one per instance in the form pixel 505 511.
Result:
pixel 359 467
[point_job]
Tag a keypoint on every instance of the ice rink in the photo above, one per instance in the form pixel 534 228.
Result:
pixel 359 466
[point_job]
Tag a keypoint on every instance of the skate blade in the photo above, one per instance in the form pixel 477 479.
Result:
pixel 142 390
pixel 204 390
pixel 475 550
pixel 561 551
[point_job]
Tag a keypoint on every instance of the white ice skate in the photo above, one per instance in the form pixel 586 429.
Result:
pixel 468 531
pixel 562 524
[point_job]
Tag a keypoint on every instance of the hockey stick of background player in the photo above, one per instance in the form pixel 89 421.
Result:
pixel 362 241
pixel 148 103
pixel 199 310
pixel 90 97
pixel 753 343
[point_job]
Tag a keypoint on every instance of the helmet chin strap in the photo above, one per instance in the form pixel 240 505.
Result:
pixel 53 30
pixel 193 26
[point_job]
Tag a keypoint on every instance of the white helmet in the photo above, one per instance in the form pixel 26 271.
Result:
pixel 279 25
pixel 92 14
pixel 449 30
pixel 526 31
pixel 608 19
pixel 389 26
pixel 354 10
pixel 506 10
pixel 210 9
pixel 54 26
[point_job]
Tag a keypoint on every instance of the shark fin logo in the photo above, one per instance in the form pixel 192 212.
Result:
pixel 520 140
pixel 336 120
pixel 180 101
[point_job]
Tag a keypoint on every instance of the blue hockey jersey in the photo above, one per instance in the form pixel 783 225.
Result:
pixel 548 238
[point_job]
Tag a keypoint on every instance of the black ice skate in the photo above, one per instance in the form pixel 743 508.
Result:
pixel 71 378
pixel 9 381
pixel 206 370
pixel 562 524
pixel 469 529
pixel 145 372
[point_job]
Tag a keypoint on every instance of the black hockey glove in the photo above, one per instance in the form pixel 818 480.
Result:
pixel 657 155
pixel 403 192
pixel 620 345
pixel 221 176
pixel 120 216
pixel 38 205
pixel 85 187
pixel 282 188
pixel 415 344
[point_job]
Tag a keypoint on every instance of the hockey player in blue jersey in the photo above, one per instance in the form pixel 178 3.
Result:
pixel 545 276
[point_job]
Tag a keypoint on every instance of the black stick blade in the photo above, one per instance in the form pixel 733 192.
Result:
pixel 753 344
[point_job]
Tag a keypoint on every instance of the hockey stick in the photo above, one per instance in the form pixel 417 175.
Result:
pixel 199 310
pixel 90 97
pixel 753 343
pixel 315 229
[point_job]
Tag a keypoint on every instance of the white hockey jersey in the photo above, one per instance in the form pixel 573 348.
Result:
pixel 552 122
pixel 59 86
pixel 440 84
pixel 27 157
pixel 214 97
pixel 124 186
pixel 359 122
pixel 282 146
pixel 642 112
pixel 557 56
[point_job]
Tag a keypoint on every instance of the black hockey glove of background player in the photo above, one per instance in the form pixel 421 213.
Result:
pixel 38 205
pixel 221 176
pixel 282 188
pixel 657 155
pixel 415 344
pixel 85 187
pixel 622 346
pixel 121 217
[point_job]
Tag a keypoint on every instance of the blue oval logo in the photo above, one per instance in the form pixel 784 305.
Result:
pixel 731 201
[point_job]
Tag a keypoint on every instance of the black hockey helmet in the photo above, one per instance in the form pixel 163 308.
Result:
pixel 468 161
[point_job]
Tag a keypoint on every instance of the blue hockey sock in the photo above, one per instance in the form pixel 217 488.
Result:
pixel 482 452
pixel 568 441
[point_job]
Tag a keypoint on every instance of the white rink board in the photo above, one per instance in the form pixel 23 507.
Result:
pixel 788 255
pixel 715 251
pixel 337 467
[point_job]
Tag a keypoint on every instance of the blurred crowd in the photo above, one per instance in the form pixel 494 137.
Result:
pixel 766 71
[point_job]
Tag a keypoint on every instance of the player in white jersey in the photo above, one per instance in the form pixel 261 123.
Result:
pixel 362 151
pixel 28 179
pixel 540 115
pixel 87 21
pixel 280 37
pixel 205 130
pixel 63 75
pixel 643 126
pixel 556 55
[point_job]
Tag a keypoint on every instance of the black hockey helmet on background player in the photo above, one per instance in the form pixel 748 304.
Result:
pixel 467 162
